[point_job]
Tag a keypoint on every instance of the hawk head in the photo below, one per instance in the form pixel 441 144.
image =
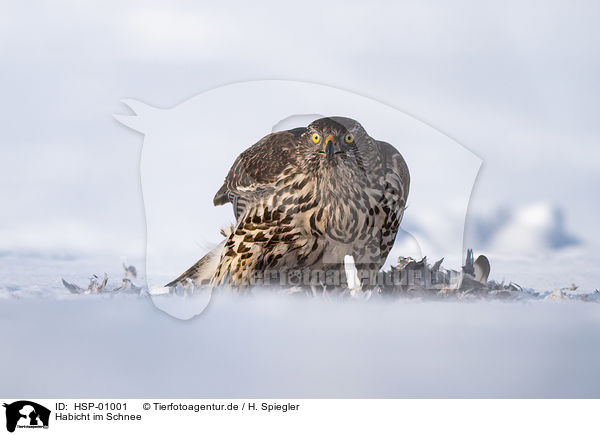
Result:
pixel 328 142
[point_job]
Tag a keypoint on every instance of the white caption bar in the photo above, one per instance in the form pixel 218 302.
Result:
pixel 216 416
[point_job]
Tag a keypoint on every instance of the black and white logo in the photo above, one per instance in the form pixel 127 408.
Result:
pixel 26 414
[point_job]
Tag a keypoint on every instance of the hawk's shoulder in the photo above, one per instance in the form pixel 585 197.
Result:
pixel 392 160
pixel 259 165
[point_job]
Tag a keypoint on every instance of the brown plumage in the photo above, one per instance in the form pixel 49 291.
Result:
pixel 303 199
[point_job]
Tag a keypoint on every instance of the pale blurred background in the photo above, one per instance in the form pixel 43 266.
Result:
pixel 515 83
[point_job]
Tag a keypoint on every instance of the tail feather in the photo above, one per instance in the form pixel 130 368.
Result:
pixel 202 272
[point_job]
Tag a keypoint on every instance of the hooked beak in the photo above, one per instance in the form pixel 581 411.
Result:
pixel 329 148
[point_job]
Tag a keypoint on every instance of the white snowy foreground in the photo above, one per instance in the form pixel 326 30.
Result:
pixel 60 345
pixel 279 347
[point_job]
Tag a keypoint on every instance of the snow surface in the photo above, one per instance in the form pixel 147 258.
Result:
pixel 281 347
pixel 61 345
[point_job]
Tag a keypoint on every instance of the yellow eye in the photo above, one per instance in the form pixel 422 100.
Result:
pixel 316 138
pixel 349 138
